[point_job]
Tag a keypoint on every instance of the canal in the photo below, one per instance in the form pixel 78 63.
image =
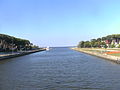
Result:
pixel 59 69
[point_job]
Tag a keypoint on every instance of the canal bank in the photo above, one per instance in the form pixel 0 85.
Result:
pixel 7 56
pixel 101 55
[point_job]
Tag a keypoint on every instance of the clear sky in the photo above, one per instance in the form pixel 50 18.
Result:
pixel 59 22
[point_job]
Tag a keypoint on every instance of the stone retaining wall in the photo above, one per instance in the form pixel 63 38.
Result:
pixel 7 56
pixel 105 56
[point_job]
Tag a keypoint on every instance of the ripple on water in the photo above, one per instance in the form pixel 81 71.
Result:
pixel 59 69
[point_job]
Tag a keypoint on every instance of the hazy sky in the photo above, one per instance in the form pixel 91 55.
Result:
pixel 59 22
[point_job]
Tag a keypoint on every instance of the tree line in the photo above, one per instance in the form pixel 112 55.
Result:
pixel 10 43
pixel 104 42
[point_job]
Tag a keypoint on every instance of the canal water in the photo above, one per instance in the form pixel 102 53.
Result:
pixel 59 69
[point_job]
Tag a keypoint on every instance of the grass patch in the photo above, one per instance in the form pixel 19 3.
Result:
pixel 115 54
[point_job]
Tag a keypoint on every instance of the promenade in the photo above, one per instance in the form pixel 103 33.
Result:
pixel 12 55
pixel 102 53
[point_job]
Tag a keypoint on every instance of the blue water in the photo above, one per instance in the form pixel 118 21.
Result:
pixel 59 69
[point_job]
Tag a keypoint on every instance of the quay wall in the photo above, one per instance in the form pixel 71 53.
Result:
pixel 7 56
pixel 105 56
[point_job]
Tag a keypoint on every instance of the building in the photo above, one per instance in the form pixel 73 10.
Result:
pixel 113 43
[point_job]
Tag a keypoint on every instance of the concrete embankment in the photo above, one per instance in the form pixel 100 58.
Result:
pixel 7 56
pixel 101 55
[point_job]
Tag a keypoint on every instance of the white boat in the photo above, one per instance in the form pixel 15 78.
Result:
pixel 48 48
